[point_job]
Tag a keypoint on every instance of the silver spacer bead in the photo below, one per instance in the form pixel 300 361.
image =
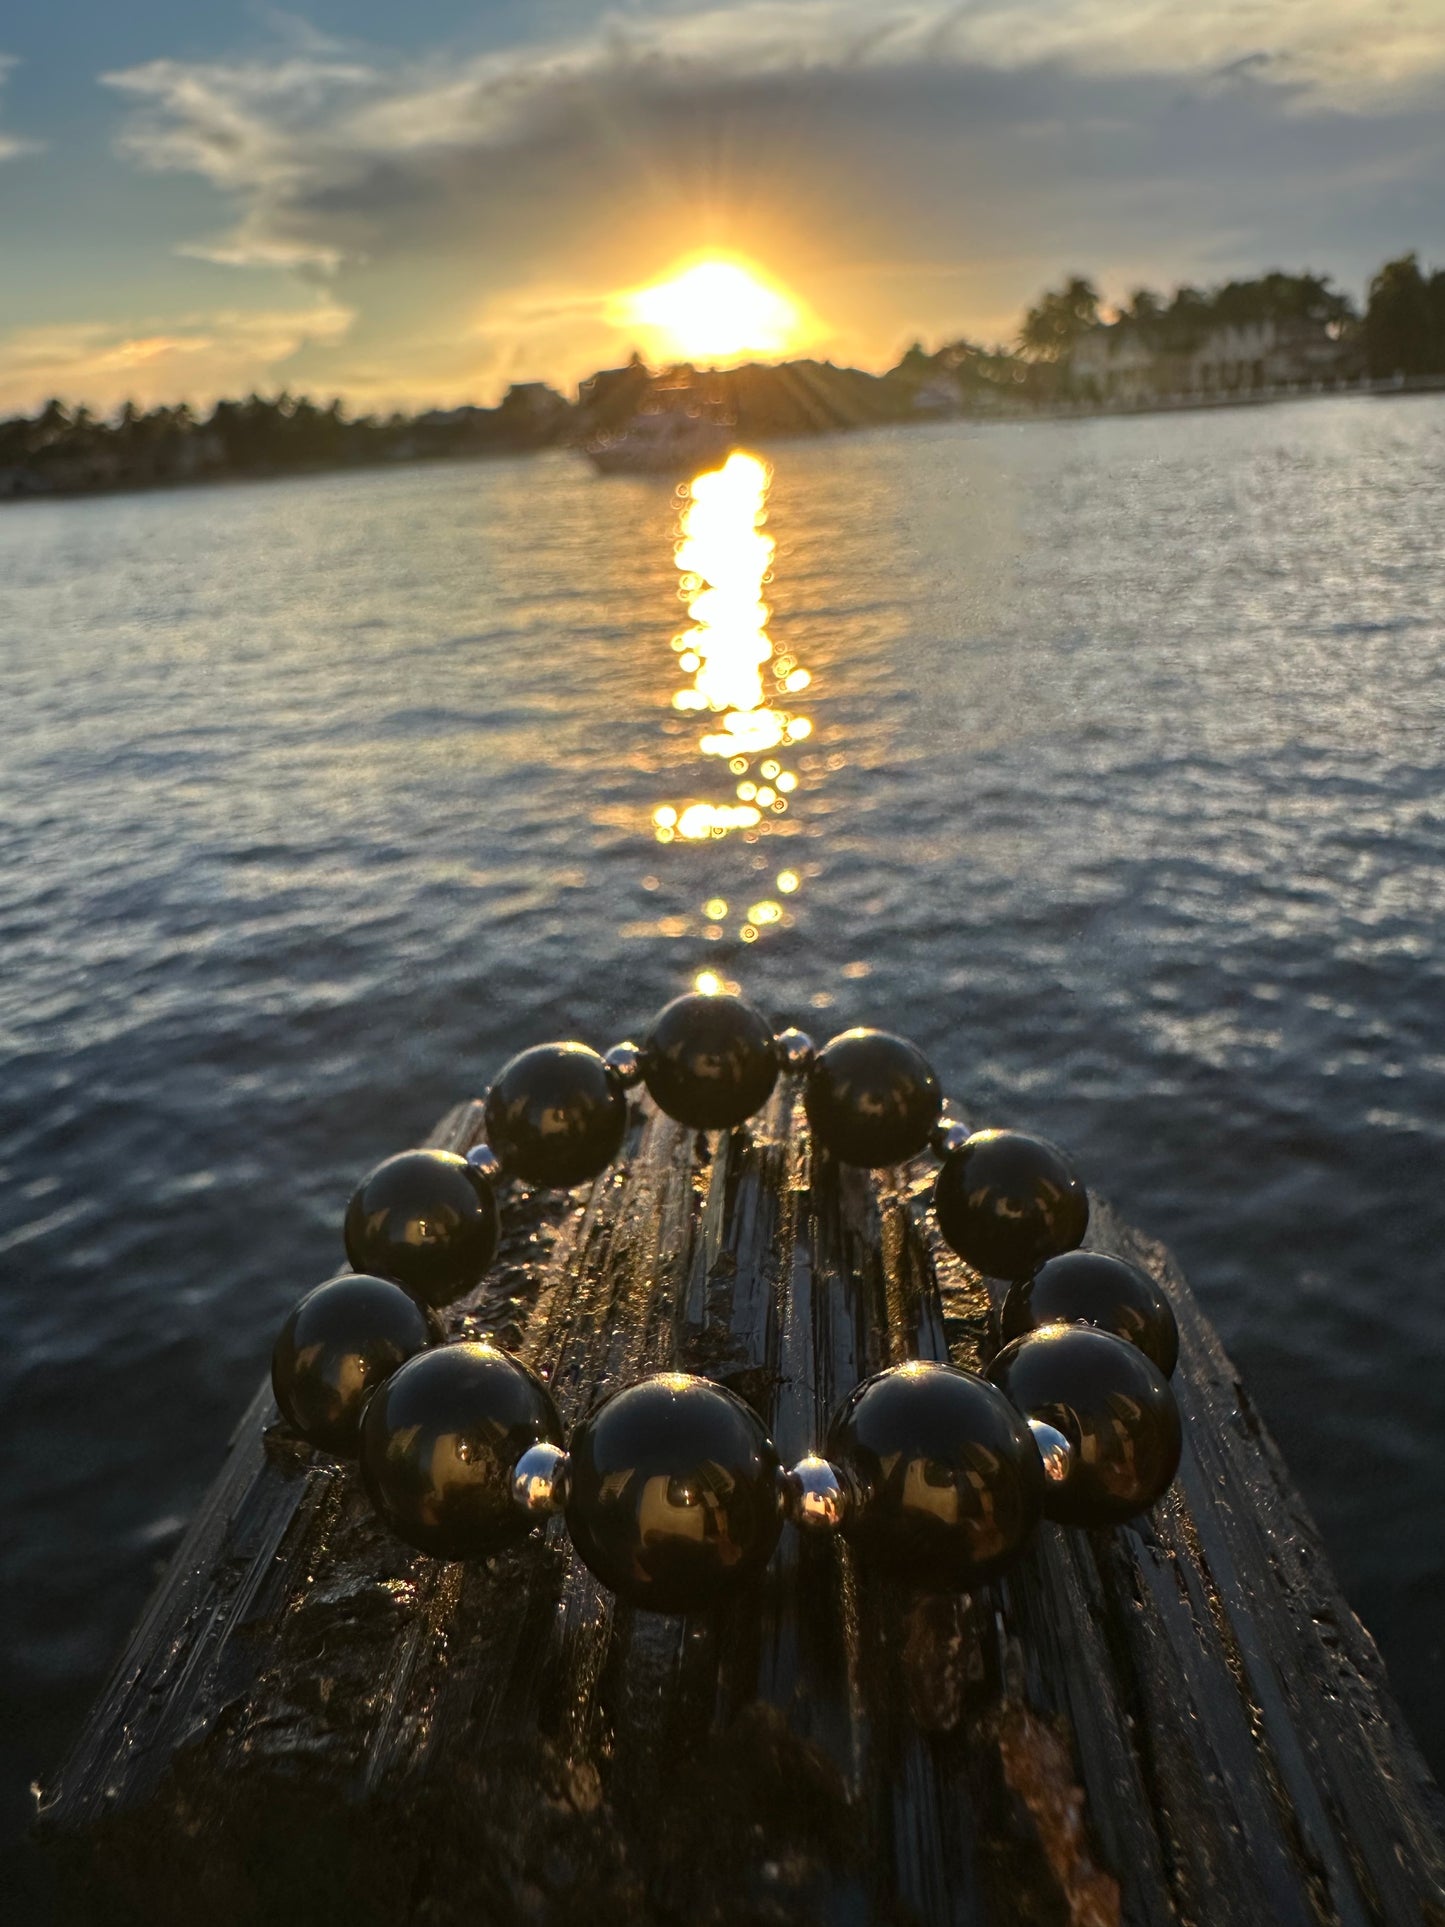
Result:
pixel 625 1063
pixel 796 1051
pixel 541 1481
pixel 947 1135
pixel 814 1496
pixel 483 1158
pixel 1055 1450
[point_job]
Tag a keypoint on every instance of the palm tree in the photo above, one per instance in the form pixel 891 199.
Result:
pixel 1401 321
pixel 1051 328
pixel 51 423
pixel 1144 307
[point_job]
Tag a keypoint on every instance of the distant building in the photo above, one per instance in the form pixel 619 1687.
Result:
pixel 533 414
pixel 610 388
pixel 529 415
pixel 1127 361
pixel 467 416
pixel 537 400
pixel 939 398
pixel 1114 363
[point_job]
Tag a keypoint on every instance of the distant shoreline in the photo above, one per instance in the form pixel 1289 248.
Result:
pixel 1061 411
pixel 1193 402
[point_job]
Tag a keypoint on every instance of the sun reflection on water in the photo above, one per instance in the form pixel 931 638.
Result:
pixel 740 686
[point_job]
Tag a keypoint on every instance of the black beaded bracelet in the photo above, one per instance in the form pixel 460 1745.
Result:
pixel 672 1491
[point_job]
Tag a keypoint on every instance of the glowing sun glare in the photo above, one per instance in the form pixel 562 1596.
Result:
pixel 713 311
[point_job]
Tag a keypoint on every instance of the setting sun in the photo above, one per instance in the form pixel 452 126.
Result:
pixel 714 310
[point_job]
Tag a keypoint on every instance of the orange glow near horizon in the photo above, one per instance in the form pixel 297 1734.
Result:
pixel 713 310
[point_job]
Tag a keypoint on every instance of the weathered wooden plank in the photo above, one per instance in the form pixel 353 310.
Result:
pixel 1176 1722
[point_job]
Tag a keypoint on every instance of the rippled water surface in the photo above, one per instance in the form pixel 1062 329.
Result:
pixel 1119 752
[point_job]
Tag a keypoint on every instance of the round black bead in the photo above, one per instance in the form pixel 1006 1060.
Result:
pixel 1111 1403
pixel 426 1219
pixel 337 1346
pixel 440 1442
pixel 947 1483
pixel 556 1115
pixel 676 1498
pixel 709 1061
pixel 872 1098
pixel 1006 1202
pixel 1095 1289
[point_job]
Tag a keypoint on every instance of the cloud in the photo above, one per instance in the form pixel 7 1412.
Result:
pixel 193 356
pixel 907 164
pixel 300 141
pixel 1331 54
pixel 12 144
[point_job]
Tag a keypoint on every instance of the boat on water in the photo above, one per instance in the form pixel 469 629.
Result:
pixel 663 442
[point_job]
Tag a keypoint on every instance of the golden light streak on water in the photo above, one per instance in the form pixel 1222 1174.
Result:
pixel 739 684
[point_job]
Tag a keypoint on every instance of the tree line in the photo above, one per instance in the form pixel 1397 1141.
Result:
pixel 60 449
pixel 1400 332
pixel 63 448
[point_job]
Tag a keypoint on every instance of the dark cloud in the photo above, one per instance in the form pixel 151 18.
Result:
pixel 954 155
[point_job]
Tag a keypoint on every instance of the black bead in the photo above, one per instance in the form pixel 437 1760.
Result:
pixel 675 1493
pixel 947 1481
pixel 426 1219
pixel 1006 1202
pixel 872 1098
pixel 337 1346
pixel 556 1115
pixel 440 1442
pixel 709 1061
pixel 1092 1287
pixel 1111 1403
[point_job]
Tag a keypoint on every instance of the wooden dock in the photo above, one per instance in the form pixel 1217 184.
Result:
pixel 1177 1722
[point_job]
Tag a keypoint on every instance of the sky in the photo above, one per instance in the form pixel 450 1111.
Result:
pixel 415 206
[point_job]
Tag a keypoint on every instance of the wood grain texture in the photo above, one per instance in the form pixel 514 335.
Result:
pixel 1180 1721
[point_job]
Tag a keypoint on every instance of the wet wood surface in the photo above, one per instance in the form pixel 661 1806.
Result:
pixel 1178 1721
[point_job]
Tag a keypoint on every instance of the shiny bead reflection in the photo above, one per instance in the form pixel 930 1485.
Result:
pixel 337 1346
pixel 709 1061
pixel 541 1480
pixel 440 1445
pixel 796 1051
pixel 625 1063
pixel 426 1219
pixel 1055 1450
pixel 947 1135
pixel 1111 1403
pixel 872 1098
pixel 675 1493
pixel 1006 1202
pixel 1092 1287
pixel 556 1115
pixel 815 1496
pixel 484 1159
pixel 947 1479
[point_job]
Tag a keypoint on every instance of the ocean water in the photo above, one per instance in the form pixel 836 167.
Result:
pixel 1104 759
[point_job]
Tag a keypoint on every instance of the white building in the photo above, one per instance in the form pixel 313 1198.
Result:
pixel 1114 363
pixel 1126 362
